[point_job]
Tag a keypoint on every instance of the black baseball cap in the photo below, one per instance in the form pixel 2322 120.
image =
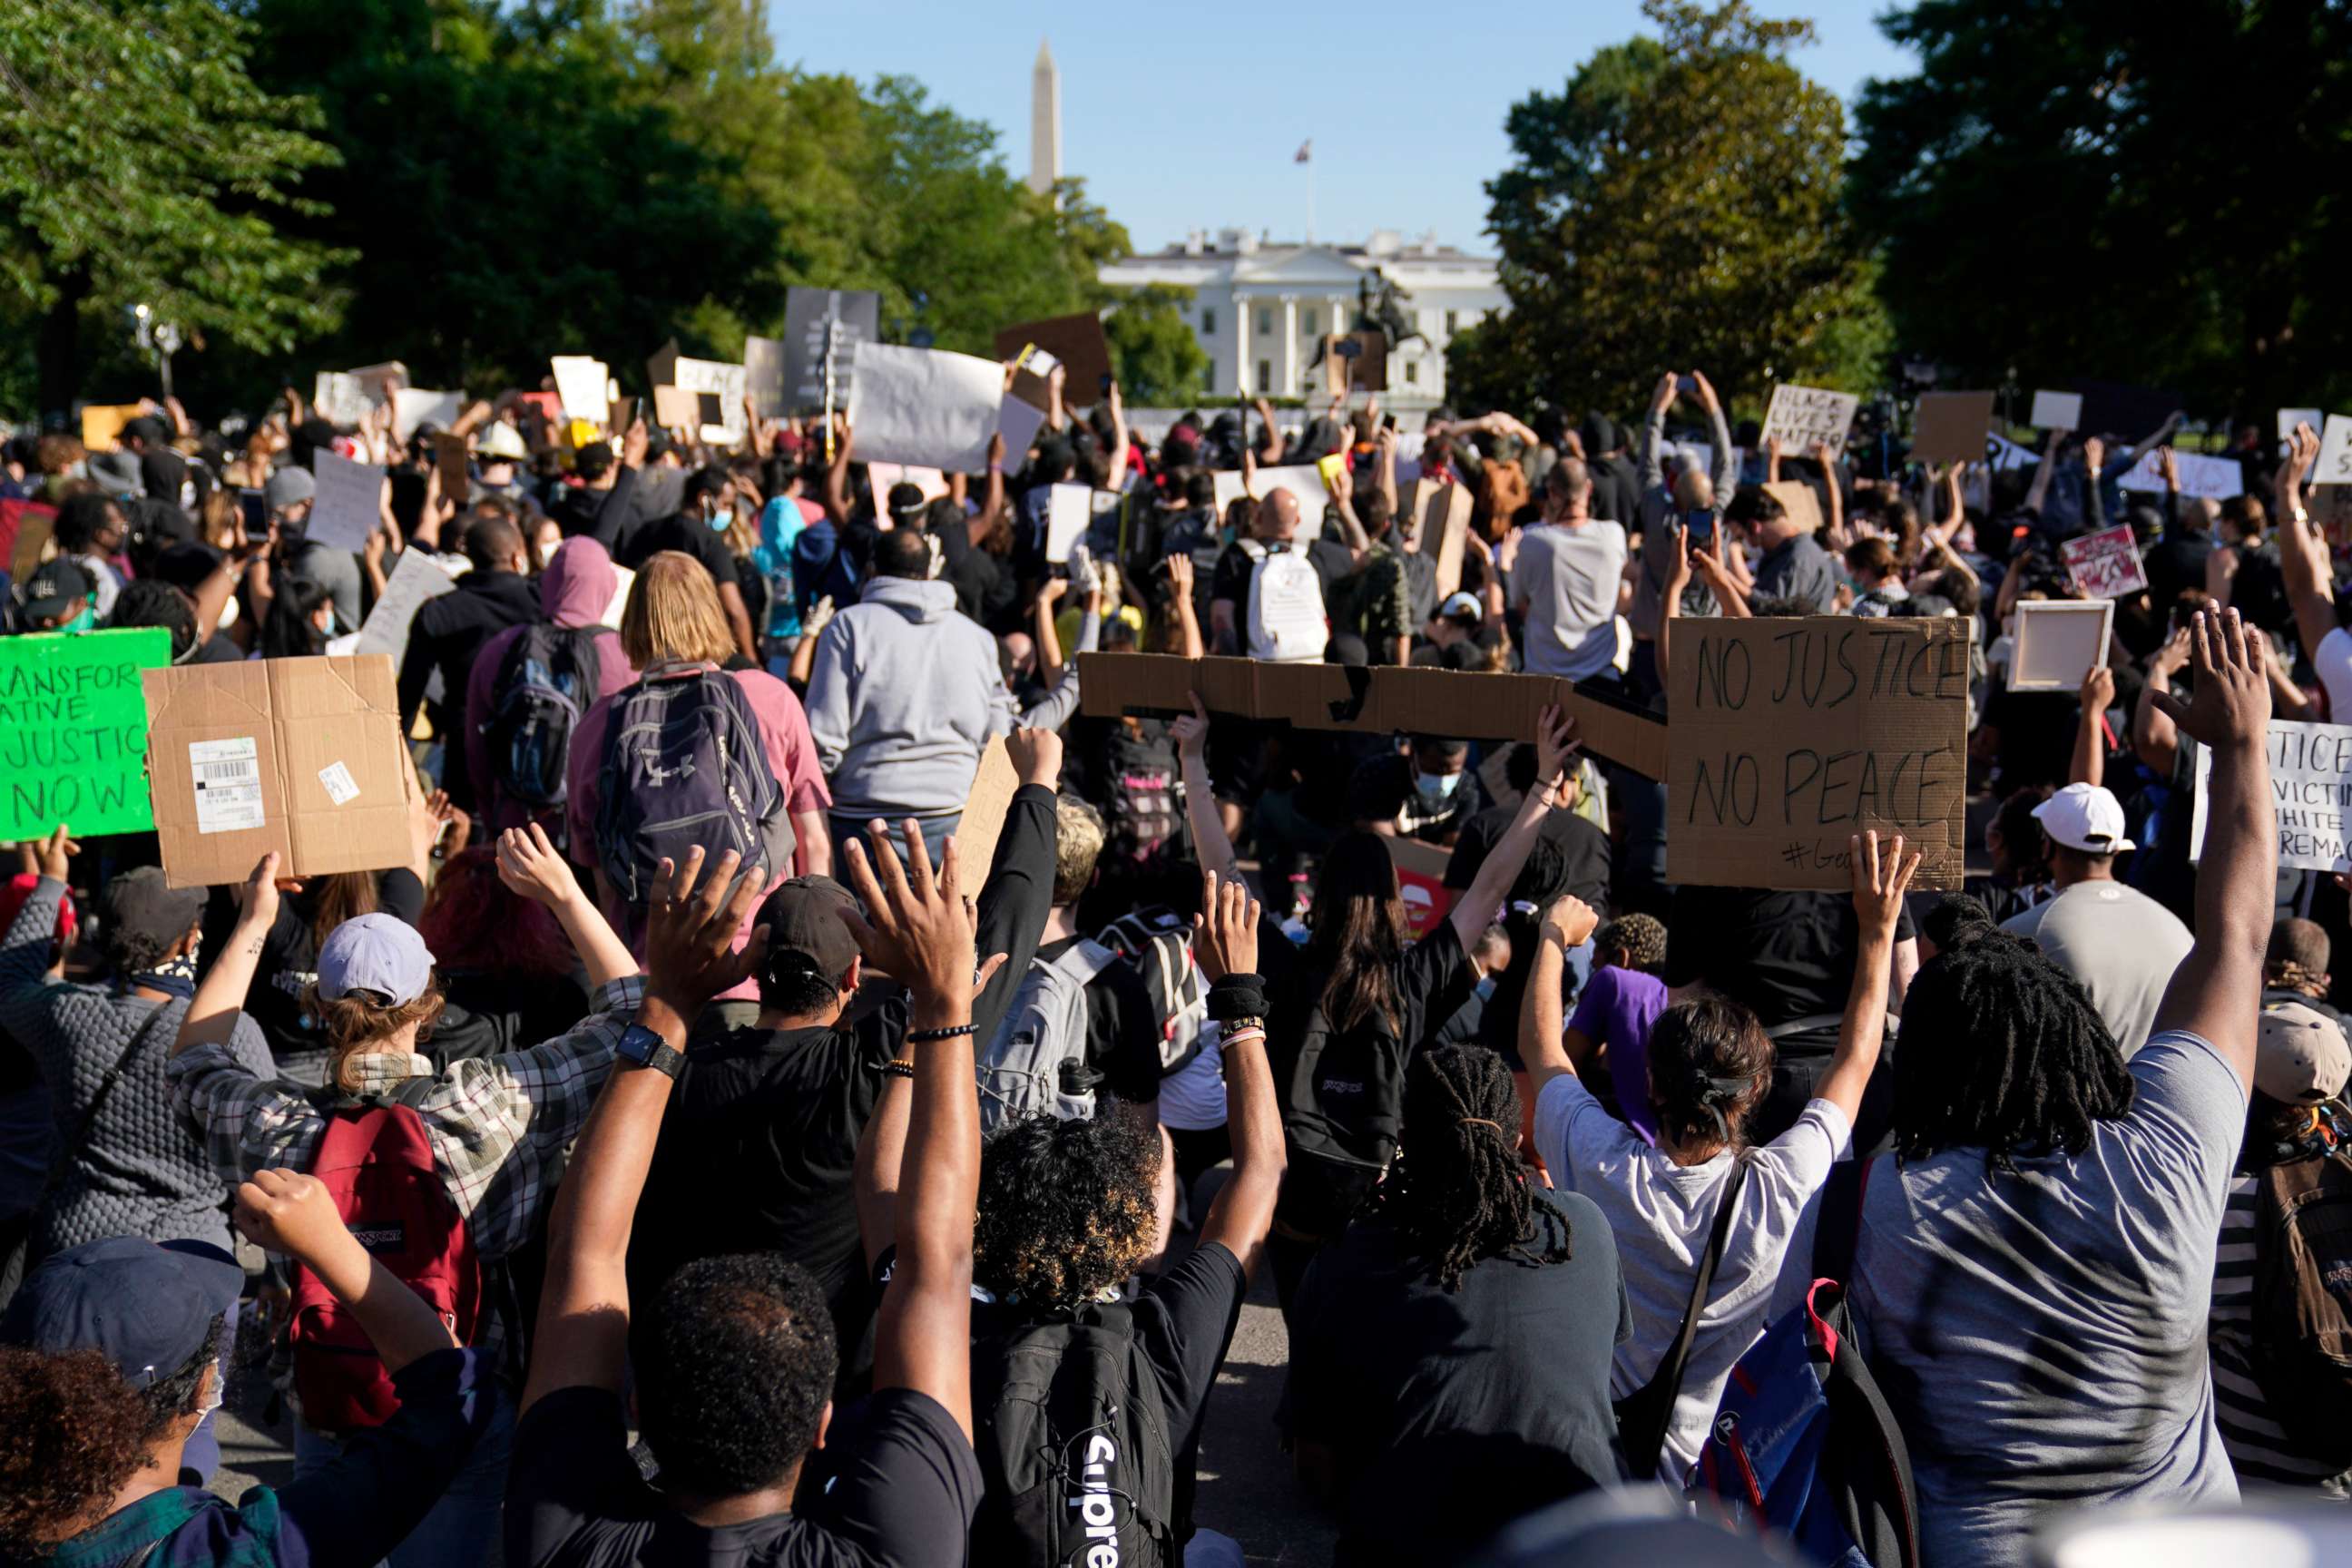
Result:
pixel 803 921
pixel 50 592
pixel 149 1306
pixel 141 901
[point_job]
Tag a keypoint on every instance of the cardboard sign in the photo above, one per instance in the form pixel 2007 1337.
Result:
pixel 35 525
pixel 2334 464
pixel 1800 415
pixel 674 408
pixel 2117 408
pixel 350 501
pixel 2105 564
pixel 1385 700
pixel 1421 878
pixel 2217 479
pixel 1355 361
pixel 850 316
pixel 2056 410
pixel 340 398
pixel 1798 500
pixel 1076 340
pixel 411 406
pixel 764 375
pixel 584 385
pixel 102 422
pixel 2058 640
pixel 1790 736
pixel 73 731
pixel 925 406
pixel 300 755
pixel 1952 427
pixel 993 786
pixel 1446 514
pixel 2310 794
pixel 414 579
pixel 456 472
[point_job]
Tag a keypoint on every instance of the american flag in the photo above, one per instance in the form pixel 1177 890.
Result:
pixel 1305 152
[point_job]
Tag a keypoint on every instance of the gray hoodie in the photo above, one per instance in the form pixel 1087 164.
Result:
pixel 904 694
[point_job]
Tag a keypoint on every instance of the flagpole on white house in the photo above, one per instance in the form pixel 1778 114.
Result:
pixel 1306 155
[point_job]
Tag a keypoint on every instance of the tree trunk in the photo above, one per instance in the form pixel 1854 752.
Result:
pixel 61 349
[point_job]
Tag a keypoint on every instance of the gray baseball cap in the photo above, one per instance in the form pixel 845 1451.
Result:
pixel 380 954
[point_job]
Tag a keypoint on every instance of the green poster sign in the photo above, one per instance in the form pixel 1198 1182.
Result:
pixel 73 731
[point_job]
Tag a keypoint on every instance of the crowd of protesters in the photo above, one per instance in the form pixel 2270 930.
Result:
pixel 679 1151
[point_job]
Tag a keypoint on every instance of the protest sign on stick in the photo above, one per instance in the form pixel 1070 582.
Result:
pixel 2311 795
pixel 349 504
pixel 73 731
pixel 2058 640
pixel 1800 415
pixel 1790 736
pixel 815 319
pixel 2105 564
pixel 1952 427
pixel 924 405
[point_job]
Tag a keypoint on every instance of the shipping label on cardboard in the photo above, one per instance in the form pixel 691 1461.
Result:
pixel 228 780
pixel 1791 735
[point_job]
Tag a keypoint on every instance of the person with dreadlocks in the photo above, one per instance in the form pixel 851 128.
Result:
pixel 1451 1368
pixel 1701 1190
pixel 2036 1260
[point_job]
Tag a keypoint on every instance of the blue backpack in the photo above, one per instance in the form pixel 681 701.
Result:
pixel 1805 1446
pixel 683 765
pixel 546 681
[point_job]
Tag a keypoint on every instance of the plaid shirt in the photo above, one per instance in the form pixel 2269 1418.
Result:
pixel 500 1126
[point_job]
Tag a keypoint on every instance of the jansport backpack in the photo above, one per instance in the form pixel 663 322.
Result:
pixel 1342 1103
pixel 1286 622
pixel 683 765
pixel 1072 1443
pixel 2303 1282
pixel 376 1161
pixel 1045 1026
pixel 546 681
pixel 1805 1444
pixel 1157 943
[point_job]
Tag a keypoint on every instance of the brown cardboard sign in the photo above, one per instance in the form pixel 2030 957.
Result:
pixel 1386 700
pixel 1446 515
pixel 300 755
pixel 674 408
pixel 992 788
pixel 1798 500
pixel 1790 735
pixel 450 457
pixel 1951 428
pixel 1076 340
pixel 1421 881
pixel 1355 361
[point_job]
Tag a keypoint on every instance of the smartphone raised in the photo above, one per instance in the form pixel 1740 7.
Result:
pixel 1699 524
pixel 255 509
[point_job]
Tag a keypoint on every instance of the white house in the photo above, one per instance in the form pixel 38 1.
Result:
pixel 1258 308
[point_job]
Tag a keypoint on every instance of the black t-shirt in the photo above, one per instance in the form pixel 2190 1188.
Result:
pixel 897 1486
pixel 1450 1414
pixel 1122 1034
pixel 1582 844
pixel 681 532
pixel 1785 955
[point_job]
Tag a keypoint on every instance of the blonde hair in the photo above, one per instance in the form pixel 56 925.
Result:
pixel 354 1021
pixel 1078 845
pixel 674 615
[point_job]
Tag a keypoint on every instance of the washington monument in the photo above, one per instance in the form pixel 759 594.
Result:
pixel 1044 121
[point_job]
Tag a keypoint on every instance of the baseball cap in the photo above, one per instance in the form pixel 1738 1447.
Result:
pixel 51 591
pixel 502 441
pixel 377 952
pixel 2085 816
pixel 2300 1056
pixel 1461 608
pixel 148 1305
pixel 804 917
pixel 141 902
pixel 288 487
pixel 117 473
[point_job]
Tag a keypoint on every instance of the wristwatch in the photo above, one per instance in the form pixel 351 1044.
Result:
pixel 643 1048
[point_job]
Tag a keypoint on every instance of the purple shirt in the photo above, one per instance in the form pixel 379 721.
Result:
pixel 1616 1010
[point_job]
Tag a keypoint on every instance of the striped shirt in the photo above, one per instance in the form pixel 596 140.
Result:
pixel 2259 1448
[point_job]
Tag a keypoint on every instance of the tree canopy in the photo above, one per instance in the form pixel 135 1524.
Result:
pixel 1679 203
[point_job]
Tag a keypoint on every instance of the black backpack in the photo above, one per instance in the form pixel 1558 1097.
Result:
pixel 1073 1442
pixel 1140 808
pixel 683 765
pixel 2303 1301
pixel 547 679
pixel 1157 943
pixel 1342 1103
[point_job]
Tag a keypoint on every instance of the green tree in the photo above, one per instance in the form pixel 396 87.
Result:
pixel 1677 204
pixel 1158 361
pixel 2069 191
pixel 140 163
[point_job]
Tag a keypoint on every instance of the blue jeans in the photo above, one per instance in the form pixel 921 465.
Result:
pixel 459 1531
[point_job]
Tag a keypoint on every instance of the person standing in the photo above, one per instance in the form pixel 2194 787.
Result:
pixel 1564 582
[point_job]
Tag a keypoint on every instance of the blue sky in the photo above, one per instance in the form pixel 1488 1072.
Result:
pixel 1186 116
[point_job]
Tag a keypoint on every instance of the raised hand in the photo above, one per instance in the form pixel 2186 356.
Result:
pixel 1225 931
pixel 530 864
pixel 917 926
pixel 2098 693
pixel 1570 920
pixel 1880 880
pixel 1555 747
pixel 291 1213
pixel 257 896
pixel 1191 735
pixel 2231 705
pixel 55 853
pixel 690 930
pixel 1037 756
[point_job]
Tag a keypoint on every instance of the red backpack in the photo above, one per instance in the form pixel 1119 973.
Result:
pixel 376 1161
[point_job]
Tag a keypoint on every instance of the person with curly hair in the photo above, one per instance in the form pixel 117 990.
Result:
pixel 1710 1065
pixel 1452 1368
pixel 1608 1038
pixel 2035 1269
pixel 109 1358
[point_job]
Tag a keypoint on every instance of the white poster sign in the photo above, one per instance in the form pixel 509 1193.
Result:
pixel 924 405
pixel 1800 415
pixel 2057 411
pixel 2216 478
pixel 2335 465
pixel 349 504
pixel 2311 792
pixel 581 384
pixel 416 578
pixel 1303 481
pixel 340 397
pixel 412 405
pixel 2058 640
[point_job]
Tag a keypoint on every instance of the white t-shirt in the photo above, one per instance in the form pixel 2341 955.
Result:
pixel 1569 577
pixel 1662 1212
pixel 2335 667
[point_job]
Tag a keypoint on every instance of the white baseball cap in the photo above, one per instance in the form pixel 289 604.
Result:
pixel 2086 817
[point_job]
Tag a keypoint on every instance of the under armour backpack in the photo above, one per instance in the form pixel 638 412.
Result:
pixel 1157 944
pixel 1045 1029
pixel 1286 622
pixel 1073 1441
pixel 547 679
pixel 376 1161
pixel 2303 1283
pixel 1805 1444
pixel 684 766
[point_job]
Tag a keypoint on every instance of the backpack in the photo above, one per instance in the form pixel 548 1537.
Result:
pixel 1157 943
pixel 1138 792
pixel 1074 1444
pixel 1045 1029
pixel 2303 1282
pixel 1804 1446
pixel 376 1161
pixel 546 681
pixel 683 765
pixel 1285 621
pixel 1342 1102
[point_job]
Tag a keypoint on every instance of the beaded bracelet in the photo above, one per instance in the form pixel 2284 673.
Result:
pixel 901 1067
pixel 924 1036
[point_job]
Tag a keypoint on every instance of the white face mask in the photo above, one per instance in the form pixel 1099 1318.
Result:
pixel 1437 786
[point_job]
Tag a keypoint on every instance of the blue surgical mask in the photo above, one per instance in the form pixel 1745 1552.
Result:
pixel 329 629
pixel 1437 786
